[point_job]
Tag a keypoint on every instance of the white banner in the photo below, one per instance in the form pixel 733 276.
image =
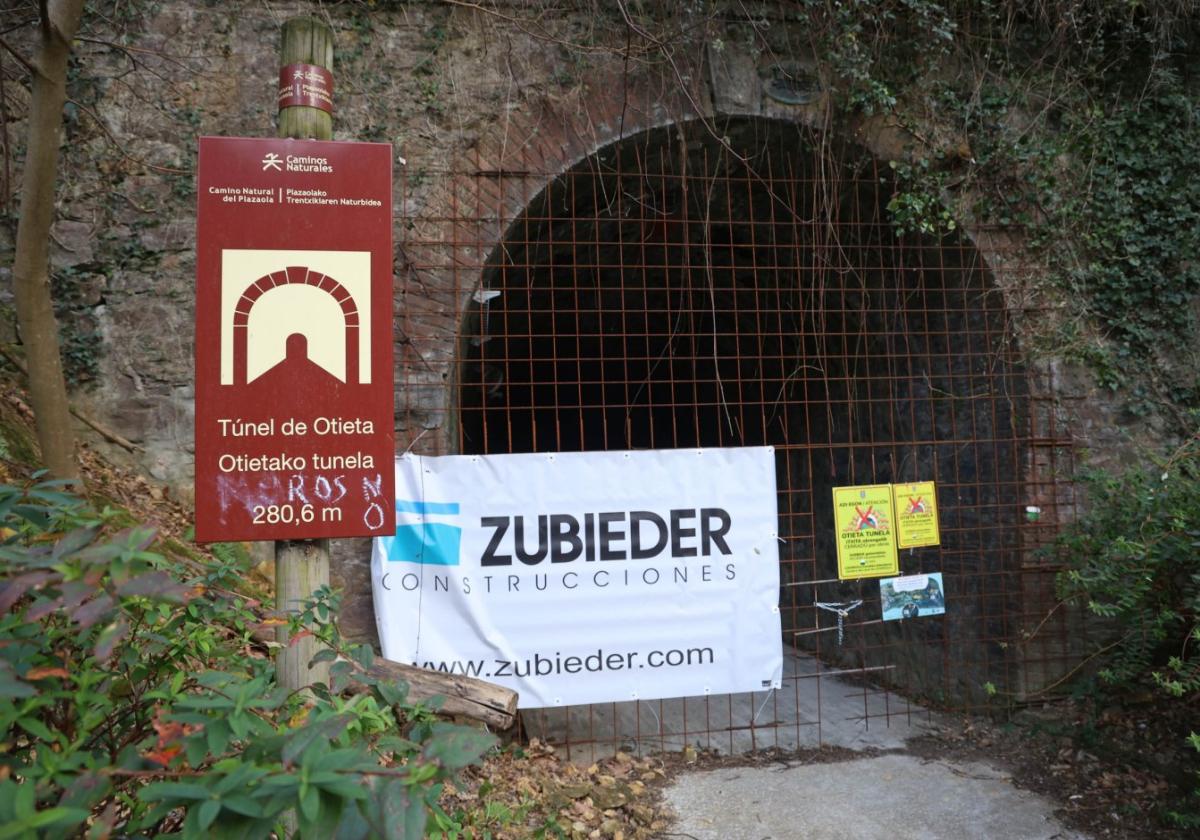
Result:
pixel 586 577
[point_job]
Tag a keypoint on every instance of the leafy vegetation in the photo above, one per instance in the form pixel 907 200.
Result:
pixel 1072 123
pixel 1139 232
pixel 133 693
pixel 134 699
pixel 1134 561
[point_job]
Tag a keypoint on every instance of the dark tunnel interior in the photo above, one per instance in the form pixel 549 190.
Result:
pixel 746 286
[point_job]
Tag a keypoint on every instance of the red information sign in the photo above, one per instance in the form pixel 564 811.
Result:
pixel 294 410
pixel 306 84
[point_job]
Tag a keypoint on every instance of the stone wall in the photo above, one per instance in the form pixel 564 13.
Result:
pixel 456 91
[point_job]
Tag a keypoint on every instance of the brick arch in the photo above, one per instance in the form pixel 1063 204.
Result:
pixel 451 240
pixel 465 218
pixel 573 376
pixel 462 220
pixel 294 275
pixel 515 161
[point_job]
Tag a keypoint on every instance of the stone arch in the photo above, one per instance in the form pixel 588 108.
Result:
pixel 634 311
pixel 294 275
pixel 458 235
pixel 463 219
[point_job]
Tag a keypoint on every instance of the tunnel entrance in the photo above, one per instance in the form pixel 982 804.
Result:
pixel 746 286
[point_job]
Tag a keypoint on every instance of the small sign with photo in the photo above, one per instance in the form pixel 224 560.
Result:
pixel 912 596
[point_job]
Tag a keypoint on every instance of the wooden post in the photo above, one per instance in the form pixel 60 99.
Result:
pixel 302 566
pixel 306 41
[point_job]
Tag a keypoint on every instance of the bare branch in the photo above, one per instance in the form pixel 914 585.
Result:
pixel 24 62
pixel 79 413
pixel 132 52
pixel 168 170
pixel 17 26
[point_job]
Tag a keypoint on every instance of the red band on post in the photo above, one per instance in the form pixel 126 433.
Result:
pixel 305 85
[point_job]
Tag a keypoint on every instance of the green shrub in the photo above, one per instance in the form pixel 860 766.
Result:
pixel 133 701
pixel 1134 560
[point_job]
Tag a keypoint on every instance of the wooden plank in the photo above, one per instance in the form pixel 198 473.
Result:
pixel 464 696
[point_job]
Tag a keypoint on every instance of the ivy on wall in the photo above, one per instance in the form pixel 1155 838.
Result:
pixel 1139 223
pixel 1071 122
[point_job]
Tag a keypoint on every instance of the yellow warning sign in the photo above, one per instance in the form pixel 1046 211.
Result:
pixel 916 515
pixel 865 546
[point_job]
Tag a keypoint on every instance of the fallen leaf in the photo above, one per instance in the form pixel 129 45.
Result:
pixel 163 756
pixel 297 636
pixel 575 791
pixel 43 673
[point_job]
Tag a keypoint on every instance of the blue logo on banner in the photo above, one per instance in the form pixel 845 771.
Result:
pixel 426 540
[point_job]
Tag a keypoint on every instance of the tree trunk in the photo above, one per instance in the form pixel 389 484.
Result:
pixel 31 267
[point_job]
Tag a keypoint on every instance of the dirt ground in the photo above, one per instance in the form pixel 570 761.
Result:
pixel 1110 773
pixel 1115 771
